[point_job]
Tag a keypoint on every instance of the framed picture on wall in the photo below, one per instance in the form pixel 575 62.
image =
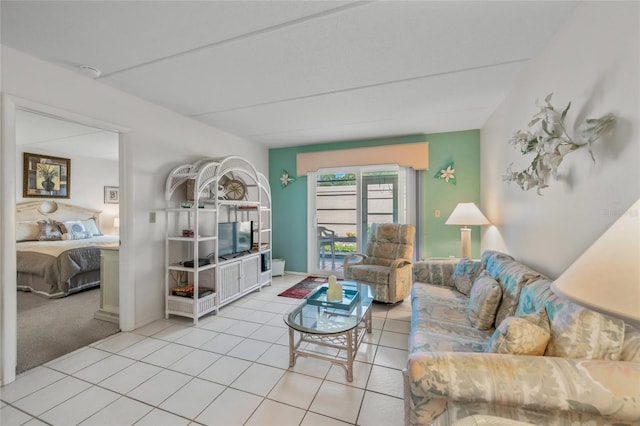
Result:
pixel 111 194
pixel 45 176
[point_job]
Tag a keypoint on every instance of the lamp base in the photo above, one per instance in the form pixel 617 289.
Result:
pixel 465 239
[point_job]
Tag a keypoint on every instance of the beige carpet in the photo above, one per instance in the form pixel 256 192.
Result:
pixel 50 328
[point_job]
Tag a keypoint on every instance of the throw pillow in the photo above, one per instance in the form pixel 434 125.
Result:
pixel 465 274
pixel 525 335
pixel 70 226
pixel 578 332
pixel 27 231
pixel 49 230
pixel 76 235
pixel 91 227
pixel 484 300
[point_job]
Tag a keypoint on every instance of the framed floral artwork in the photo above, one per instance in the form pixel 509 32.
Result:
pixel 45 176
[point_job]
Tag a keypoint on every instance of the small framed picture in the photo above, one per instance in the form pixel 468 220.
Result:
pixel 111 194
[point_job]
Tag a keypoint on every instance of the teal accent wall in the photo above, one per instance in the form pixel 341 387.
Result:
pixel 289 204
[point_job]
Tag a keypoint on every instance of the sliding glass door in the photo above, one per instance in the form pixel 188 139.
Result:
pixel 343 203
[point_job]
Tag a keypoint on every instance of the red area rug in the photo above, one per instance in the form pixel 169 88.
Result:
pixel 304 287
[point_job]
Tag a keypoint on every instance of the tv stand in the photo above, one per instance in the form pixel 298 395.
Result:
pixel 208 203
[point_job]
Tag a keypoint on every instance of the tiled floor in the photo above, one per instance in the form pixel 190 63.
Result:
pixel 231 369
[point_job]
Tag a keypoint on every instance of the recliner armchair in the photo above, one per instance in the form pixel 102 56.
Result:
pixel 387 264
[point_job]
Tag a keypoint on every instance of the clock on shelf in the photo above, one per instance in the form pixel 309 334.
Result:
pixel 235 189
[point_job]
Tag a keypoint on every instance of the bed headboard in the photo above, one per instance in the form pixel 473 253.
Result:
pixel 46 209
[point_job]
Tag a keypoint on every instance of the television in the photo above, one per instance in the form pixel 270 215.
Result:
pixel 234 238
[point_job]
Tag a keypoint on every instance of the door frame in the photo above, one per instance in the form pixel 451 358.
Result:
pixel 8 268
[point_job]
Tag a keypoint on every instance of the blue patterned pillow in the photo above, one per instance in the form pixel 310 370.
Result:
pixel 484 300
pixel 465 274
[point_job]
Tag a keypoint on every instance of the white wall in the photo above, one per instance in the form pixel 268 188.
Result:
pixel 592 62
pixel 158 141
pixel 89 176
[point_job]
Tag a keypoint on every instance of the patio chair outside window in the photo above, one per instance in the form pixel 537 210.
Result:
pixel 326 239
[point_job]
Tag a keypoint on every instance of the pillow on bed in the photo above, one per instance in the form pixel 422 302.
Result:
pixel 71 226
pixel 76 236
pixel 91 227
pixel 27 231
pixel 49 230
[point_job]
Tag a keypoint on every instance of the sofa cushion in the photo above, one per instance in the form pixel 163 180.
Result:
pixel 439 272
pixel 489 257
pixel 577 332
pixel 521 335
pixel 484 300
pixel 533 296
pixel 466 273
pixel 422 339
pixel 631 347
pixel 375 274
pixel 512 276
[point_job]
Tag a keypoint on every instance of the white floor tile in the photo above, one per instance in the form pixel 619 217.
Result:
pixel 102 369
pixel 275 356
pixel 118 342
pixel 258 379
pixel 235 312
pixel 338 401
pixel 192 398
pixel 160 418
pixel 295 389
pixel 159 387
pixel 173 333
pixel 275 413
pixel 216 323
pixel 313 419
pixel 225 370
pixel 34 422
pixel 52 395
pixel 222 343
pixel 196 337
pixel 153 328
pixel 390 357
pixel 269 333
pixel 312 367
pixel 29 382
pixel 124 411
pixel 80 407
pixel 373 337
pixel 13 416
pixel 260 317
pixel 143 348
pixel 242 328
pixel 195 362
pixel 394 340
pixel 360 374
pixel 167 355
pixel 232 407
pixel 386 380
pixel 77 360
pixel 397 326
pixel 381 410
pixel 131 377
pixel 249 349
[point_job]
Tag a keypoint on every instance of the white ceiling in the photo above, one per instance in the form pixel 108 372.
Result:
pixel 286 73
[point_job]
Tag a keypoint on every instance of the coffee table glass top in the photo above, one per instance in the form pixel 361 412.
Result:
pixel 317 319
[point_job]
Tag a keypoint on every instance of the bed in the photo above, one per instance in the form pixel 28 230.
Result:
pixel 58 247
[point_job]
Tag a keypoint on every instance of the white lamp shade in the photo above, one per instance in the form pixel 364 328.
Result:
pixel 606 278
pixel 116 222
pixel 467 214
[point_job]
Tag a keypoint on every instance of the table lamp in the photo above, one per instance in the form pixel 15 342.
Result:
pixel 466 214
pixel 116 222
pixel 606 277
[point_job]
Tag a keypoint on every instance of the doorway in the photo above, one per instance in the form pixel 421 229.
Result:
pixel 11 172
pixel 343 203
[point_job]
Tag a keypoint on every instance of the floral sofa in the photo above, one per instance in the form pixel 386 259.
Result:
pixel 511 348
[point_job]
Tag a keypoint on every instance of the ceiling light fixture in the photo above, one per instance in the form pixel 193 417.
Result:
pixel 90 71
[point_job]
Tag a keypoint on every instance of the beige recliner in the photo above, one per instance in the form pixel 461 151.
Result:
pixel 387 265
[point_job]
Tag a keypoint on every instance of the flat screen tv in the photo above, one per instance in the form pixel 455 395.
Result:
pixel 234 238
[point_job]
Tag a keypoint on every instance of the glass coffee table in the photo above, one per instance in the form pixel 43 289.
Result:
pixel 341 325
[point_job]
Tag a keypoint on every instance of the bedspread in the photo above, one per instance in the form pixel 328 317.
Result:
pixel 56 262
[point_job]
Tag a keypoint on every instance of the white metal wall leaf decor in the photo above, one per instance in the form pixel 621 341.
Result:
pixel 447 173
pixel 548 139
pixel 286 178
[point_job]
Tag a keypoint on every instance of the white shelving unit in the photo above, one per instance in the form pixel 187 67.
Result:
pixel 197 201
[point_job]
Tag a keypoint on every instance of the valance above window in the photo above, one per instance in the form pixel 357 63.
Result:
pixel 414 155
